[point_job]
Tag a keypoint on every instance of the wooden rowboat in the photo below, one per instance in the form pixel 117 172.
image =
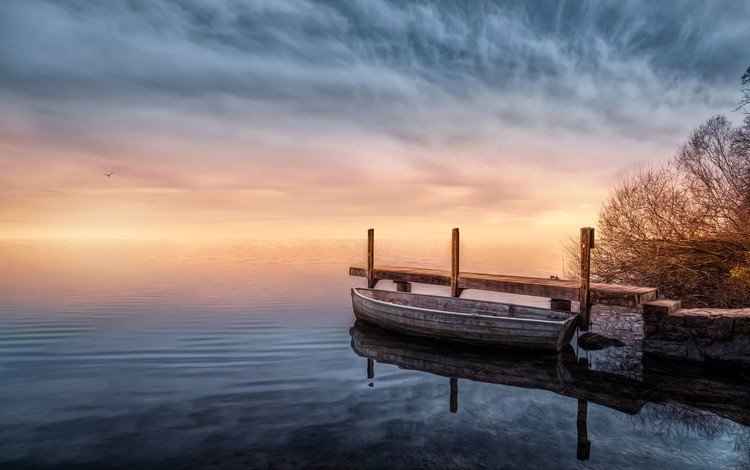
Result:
pixel 467 321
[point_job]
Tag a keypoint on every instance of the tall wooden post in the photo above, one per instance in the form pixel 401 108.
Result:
pixel 370 368
pixel 587 243
pixel 371 281
pixel 402 286
pixel 455 291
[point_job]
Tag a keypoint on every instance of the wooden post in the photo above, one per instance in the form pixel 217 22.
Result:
pixel 402 286
pixel 454 395
pixel 559 304
pixel 587 243
pixel 455 291
pixel 370 368
pixel 371 281
pixel 583 449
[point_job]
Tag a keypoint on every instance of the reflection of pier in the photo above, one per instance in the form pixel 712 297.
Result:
pixel 725 395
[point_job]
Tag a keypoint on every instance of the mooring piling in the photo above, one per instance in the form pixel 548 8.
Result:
pixel 587 243
pixel 371 281
pixel 455 291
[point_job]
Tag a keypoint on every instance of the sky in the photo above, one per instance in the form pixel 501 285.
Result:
pixel 306 119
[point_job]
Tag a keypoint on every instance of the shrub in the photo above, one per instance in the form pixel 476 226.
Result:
pixel 683 227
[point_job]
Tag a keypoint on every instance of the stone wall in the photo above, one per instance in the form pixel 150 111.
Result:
pixel 699 334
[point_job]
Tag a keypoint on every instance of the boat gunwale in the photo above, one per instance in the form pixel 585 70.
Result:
pixel 562 324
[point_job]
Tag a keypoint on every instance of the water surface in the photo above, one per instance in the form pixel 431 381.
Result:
pixel 234 354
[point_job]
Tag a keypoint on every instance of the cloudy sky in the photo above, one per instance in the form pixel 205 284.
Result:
pixel 304 119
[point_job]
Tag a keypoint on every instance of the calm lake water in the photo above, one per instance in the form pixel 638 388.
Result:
pixel 242 354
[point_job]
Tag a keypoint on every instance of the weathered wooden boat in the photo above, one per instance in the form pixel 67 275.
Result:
pixel 469 321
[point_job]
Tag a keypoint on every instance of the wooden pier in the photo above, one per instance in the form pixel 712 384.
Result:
pixel 560 291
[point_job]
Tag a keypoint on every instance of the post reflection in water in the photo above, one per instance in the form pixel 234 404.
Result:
pixel 454 395
pixel 584 445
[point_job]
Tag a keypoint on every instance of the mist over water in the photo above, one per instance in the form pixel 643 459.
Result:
pixel 231 354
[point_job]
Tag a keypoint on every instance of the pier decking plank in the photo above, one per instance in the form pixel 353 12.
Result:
pixel 612 294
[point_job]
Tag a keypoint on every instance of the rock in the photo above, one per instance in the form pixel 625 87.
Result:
pixel 698 320
pixel 677 335
pixel 720 328
pixel 694 351
pixel 736 350
pixel 650 329
pixel 697 334
pixel 665 348
pixel 672 322
pixel 592 341
pixel 742 325
pixel 655 310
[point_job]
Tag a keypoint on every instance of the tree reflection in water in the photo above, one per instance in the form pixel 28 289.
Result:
pixel 682 422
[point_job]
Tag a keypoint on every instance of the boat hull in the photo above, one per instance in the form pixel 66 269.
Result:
pixel 466 321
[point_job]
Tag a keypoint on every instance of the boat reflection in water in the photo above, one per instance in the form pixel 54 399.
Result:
pixel 724 394
pixel 545 371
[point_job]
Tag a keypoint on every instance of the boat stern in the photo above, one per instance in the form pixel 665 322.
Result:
pixel 567 331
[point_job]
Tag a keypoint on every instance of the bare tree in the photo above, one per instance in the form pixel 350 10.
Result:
pixel 716 167
pixel 745 90
pixel 683 227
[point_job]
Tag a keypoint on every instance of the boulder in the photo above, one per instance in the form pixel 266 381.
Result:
pixel 592 341
pixel 736 350
pixel 720 327
pixel 665 348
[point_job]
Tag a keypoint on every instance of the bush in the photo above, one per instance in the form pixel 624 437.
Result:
pixel 683 227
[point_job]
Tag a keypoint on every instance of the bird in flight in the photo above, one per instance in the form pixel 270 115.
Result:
pixel 108 174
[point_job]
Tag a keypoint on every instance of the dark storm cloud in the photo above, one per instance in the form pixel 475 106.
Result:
pixel 331 111
pixel 397 67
